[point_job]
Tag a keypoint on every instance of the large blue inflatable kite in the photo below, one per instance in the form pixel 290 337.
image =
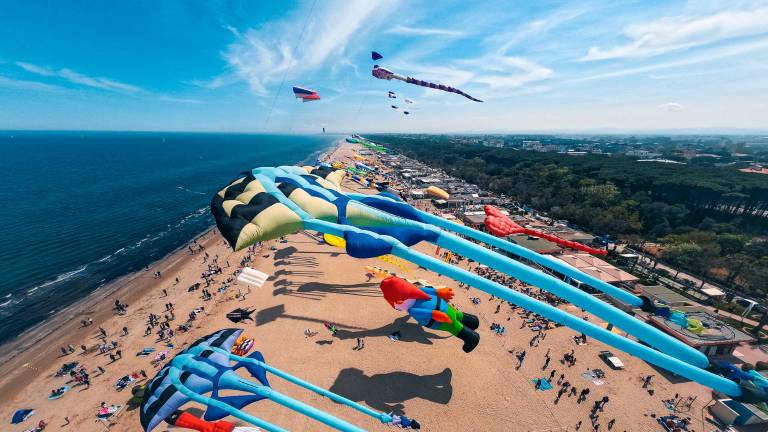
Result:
pixel 269 202
pixel 207 368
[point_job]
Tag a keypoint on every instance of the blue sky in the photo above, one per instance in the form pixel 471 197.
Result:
pixel 539 65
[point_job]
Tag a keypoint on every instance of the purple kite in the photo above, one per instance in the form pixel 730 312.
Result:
pixel 386 74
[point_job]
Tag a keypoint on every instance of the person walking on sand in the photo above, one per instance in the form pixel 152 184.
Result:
pixel 125 331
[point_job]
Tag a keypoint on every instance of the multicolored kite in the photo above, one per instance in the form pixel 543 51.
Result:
pixel 386 74
pixel 305 95
pixel 429 307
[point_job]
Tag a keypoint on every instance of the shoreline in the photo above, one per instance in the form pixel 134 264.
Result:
pixel 98 303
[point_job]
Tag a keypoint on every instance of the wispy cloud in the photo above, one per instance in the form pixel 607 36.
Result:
pixel 507 40
pixel 423 31
pixel 174 99
pixel 672 107
pixel 674 33
pixel 78 78
pixel 507 72
pixel 709 55
pixel 12 83
pixel 260 56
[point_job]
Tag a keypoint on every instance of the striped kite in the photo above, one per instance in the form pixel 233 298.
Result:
pixel 386 74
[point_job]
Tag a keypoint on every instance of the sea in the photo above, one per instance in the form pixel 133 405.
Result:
pixel 80 209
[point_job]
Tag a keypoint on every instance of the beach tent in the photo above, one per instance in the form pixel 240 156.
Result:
pixel 21 415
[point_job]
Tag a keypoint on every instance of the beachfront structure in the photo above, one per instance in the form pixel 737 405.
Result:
pixel 597 268
pixel 717 338
pixel 731 412
pixel 536 244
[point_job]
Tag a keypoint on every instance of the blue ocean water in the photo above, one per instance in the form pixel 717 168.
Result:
pixel 81 209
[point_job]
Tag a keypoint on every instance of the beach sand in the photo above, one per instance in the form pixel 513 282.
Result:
pixel 425 374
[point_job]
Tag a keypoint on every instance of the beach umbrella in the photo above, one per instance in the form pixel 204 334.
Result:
pixel 21 415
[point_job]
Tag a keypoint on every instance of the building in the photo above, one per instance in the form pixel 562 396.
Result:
pixel 535 244
pixel 714 337
pixel 732 412
pixel 664 295
pixel 596 267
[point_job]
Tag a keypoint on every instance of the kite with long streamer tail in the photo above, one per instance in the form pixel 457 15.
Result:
pixel 386 74
pixel 205 369
pixel 270 202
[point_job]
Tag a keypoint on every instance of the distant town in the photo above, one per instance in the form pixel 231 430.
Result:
pixel 748 153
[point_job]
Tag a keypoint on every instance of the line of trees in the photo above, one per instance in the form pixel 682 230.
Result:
pixel 710 220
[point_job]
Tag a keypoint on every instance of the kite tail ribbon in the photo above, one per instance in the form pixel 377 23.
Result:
pixel 442 87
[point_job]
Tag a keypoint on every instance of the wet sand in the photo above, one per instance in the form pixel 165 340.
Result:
pixel 425 374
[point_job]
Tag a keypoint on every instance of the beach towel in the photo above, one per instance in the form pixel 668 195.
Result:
pixel 62 391
pixel 594 376
pixel 145 352
pixel 106 412
pixel 124 382
pixel 545 384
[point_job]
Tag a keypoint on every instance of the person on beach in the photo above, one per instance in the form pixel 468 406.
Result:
pixel 125 331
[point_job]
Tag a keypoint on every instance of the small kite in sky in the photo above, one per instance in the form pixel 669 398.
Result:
pixel 305 95
pixel 376 56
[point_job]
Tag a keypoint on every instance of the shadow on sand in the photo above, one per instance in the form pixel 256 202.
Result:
pixel 318 290
pixel 409 332
pixel 268 315
pixel 387 392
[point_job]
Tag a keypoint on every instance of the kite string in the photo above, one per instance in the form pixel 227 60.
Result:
pixel 285 72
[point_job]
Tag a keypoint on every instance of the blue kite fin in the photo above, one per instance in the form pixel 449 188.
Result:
pixel 255 370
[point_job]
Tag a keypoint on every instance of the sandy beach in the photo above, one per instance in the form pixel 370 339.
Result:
pixel 425 374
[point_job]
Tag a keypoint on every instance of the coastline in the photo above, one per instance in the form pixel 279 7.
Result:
pixel 96 305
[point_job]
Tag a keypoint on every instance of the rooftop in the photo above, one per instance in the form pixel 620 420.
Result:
pixel 596 267
pixel 665 295
pixel 715 332
pixel 535 244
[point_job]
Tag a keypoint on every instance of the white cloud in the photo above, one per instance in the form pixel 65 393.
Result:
pixel 423 31
pixel 672 107
pixel 261 56
pixel 35 69
pixel 534 28
pixel 6 82
pixel 674 33
pixel 511 72
pixel 78 78
pixel 712 54
pixel 174 99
